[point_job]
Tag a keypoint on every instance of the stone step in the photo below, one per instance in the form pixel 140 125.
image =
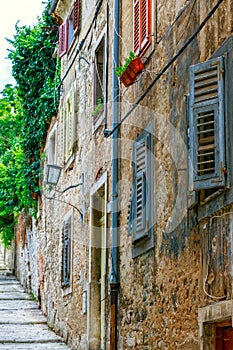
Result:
pixel 35 346
pixel 30 316
pixel 12 287
pixel 14 296
pixel 17 304
pixel 16 333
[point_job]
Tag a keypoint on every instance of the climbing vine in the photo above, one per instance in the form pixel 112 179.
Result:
pixel 26 111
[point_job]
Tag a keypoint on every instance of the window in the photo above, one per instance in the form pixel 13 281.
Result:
pixel 142 196
pixel 66 253
pixel 69 29
pixel 68 120
pixel 206 125
pixel 142 26
pixel 100 74
pixel 52 147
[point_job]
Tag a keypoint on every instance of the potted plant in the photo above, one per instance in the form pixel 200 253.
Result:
pixel 99 107
pixel 130 70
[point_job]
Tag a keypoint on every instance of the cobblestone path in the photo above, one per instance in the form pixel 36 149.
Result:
pixel 22 324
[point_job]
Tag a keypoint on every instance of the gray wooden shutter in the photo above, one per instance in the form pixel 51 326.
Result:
pixel 66 252
pixel 141 187
pixel 206 121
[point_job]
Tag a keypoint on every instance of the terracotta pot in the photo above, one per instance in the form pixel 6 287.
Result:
pixel 134 68
pixel 127 79
pixel 136 65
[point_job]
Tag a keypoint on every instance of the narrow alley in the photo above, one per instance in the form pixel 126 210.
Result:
pixel 22 324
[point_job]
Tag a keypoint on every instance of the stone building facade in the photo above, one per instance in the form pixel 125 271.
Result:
pixel 132 249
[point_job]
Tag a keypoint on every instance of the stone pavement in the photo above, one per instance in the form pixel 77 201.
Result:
pixel 22 324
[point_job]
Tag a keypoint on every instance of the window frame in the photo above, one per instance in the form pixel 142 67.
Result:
pixel 68 122
pixel 66 238
pixel 98 119
pixel 69 29
pixel 217 178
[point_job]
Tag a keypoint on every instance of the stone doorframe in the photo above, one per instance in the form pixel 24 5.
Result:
pixel 209 317
pixel 97 265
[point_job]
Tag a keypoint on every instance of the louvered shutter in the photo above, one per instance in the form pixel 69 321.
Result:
pixel 62 133
pixel 63 39
pixel 66 252
pixel 70 124
pixel 207 134
pixel 76 16
pixel 142 26
pixel 141 202
pixel 136 26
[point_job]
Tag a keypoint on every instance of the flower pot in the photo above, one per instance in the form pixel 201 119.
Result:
pixel 134 68
pixel 136 65
pixel 127 79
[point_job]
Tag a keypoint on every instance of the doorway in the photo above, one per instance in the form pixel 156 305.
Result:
pixel 98 268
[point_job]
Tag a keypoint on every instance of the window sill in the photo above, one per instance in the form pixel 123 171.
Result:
pixel 66 290
pixel 98 121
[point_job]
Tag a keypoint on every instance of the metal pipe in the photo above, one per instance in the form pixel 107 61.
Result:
pixel 114 277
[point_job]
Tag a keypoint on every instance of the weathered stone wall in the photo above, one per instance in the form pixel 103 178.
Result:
pixel 26 253
pixel 162 290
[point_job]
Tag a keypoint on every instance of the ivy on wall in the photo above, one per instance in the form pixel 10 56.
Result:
pixel 25 112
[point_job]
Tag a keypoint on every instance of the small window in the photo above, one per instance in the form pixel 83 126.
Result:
pixel 52 152
pixel 99 81
pixel 69 29
pixel 99 73
pixel 142 196
pixel 142 26
pixel 206 125
pixel 66 253
pixel 68 120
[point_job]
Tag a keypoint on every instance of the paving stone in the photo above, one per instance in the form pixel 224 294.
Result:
pixel 21 316
pixel 11 287
pixel 38 346
pixel 17 304
pixel 22 324
pixel 27 333
pixel 14 296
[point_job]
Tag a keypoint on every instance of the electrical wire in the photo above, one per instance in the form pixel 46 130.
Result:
pixel 207 265
pixel 108 133
pixel 81 43
pixel 62 201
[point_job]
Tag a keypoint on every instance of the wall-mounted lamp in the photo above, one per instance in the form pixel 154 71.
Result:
pixel 52 178
pixel 53 174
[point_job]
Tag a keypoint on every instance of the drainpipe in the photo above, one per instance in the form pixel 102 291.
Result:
pixel 114 276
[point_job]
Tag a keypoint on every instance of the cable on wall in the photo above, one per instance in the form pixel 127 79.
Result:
pixel 108 133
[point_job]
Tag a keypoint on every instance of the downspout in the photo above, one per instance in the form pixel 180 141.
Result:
pixel 114 276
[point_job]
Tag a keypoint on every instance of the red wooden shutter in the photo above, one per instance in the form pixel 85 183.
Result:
pixel 63 39
pixel 136 26
pixel 142 26
pixel 76 16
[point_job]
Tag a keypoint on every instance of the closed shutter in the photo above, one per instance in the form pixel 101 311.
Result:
pixel 207 135
pixel 66 252
pixel 76 16
pixel 63 39
pixel 62 134
pixel 141 202
pixel 142 26
pixel 70 124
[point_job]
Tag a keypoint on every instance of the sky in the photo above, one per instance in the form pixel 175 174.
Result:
pixel 24 11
